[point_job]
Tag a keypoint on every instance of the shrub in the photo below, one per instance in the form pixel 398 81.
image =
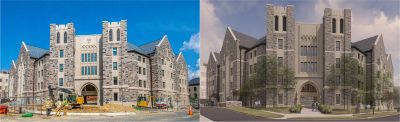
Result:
pixel 325 109
pixel 295 108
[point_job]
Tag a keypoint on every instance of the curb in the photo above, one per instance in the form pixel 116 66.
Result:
pixel 92 114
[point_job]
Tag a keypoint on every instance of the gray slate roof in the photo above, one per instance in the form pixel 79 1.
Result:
pixel 365 44
pixel 194 82
pixel 245 40
pixel 36 52
pixel 133 47
pixel 149 47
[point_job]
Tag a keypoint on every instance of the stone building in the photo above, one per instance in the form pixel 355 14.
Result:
pixel 100 67
pixel 4 81
pixel 310 50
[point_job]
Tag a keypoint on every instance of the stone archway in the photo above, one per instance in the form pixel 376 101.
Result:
pixel 308 94
pixel 90 94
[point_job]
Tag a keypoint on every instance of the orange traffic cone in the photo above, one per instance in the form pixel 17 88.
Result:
pixel 190 111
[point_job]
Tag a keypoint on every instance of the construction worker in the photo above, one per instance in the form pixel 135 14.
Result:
pixel 65 106
pixel 48 104
pixel 58 108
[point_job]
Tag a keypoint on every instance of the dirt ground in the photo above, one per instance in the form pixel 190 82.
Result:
pixel 109 108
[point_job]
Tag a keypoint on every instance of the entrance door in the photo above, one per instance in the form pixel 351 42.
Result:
pixel 89 94
pixel 308 95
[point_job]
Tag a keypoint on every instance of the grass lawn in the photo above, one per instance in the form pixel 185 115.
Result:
pixel 354 117
pixel 343 111
pixel 255 112
pixel 284 110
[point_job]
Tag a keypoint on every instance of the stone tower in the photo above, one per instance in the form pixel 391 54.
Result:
pixel 61 60
pixel 114 37
pixel 337 42
pixel 280 41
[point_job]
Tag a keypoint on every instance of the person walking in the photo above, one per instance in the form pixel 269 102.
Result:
pixel 313 106
pixel 48 104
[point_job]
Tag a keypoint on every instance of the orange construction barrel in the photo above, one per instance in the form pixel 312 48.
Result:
pixel 3 109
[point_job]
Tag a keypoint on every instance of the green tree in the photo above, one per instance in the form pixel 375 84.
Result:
pixel 349 76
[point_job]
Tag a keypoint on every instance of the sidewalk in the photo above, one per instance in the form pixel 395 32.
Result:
pixel 204 119
pixel 91 114
pixel 307 112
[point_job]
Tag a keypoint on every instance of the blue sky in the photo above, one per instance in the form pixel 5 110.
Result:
pixel 147 21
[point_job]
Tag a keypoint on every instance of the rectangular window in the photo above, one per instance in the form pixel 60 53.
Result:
pixel 115 79
pixel 61 82
pixel 163 85
pixel 61 53
pixel 115 96
pixel 337 62
pixel 93 57
pixel 337 98
pixel 114 65
pixel 61 67
pixel 93 70
pixel 337 80
pixel 162 72
pixel 337 45
pixel 139 58
pixel 251 67
pixel 83 57
pixel 144 84
pixel 82 71
pixel 114 51
pixel 284 23
pixel 140 83
pixel 89 58
pixel 280 61
pixel 280 43
pixel 144 71
pixel 144 60
pixel 140 70
pixel 280 98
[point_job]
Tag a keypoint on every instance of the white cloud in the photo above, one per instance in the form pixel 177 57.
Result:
pixel 194 73
pixel 368 22
pixel 211 30
pixel 192 44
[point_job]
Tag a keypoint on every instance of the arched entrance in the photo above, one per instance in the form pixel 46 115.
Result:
pixel 89 93
pixel 308 94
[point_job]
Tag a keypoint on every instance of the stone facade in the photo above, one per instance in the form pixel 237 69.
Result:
pixel 100 67
pixel 310 50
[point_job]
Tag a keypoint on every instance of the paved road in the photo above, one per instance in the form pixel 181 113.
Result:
pixel 162 116
pixel 223 114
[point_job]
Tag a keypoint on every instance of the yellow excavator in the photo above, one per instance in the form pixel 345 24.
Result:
pixel 73 100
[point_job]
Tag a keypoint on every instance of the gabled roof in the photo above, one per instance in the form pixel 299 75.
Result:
pixel 133 47
pixel 194 81
pixel 36 52
pixel 150 47
pixel 365 44
pixel 244 40
pixel 215 55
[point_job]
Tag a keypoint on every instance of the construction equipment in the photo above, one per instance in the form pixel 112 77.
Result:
pixel 161 103
pixel 75 101
pixel 142 102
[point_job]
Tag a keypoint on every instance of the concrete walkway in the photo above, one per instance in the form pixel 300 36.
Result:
pixel 307 112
